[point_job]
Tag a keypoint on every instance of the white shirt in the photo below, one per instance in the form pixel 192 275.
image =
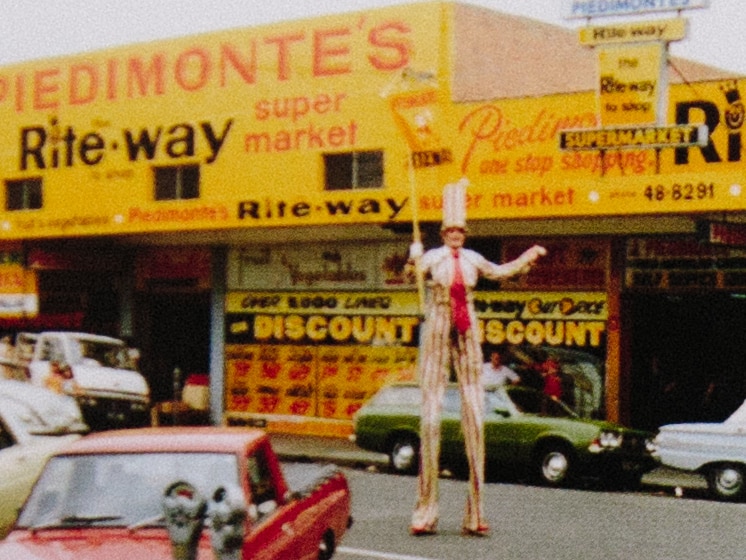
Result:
pixel 498 376
pixel 439 262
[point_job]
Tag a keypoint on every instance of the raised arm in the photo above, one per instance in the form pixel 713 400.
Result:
pixel 520 265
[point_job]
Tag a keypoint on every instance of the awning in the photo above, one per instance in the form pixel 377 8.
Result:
pixel 44 321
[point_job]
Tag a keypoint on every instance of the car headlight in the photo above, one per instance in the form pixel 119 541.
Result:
pixel 87 401
pixel 606 441
pixel 610 440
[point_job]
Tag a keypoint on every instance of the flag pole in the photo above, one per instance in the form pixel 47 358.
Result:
pixel 409 75
pixel 416 233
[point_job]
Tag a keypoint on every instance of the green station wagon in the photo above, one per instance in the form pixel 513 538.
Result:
pixel 527 434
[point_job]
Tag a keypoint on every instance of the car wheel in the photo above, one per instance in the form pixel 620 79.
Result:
pixel 554 464
pixel 404 454
pixel 327 546
pixel 726 482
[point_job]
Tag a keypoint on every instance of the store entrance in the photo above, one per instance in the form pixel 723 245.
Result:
pixel 177 334
pixel 688 357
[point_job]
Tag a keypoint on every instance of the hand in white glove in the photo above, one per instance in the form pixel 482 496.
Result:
pixel 416 250
pixel 531 255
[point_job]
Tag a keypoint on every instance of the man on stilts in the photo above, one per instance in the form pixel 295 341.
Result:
pixel 450 336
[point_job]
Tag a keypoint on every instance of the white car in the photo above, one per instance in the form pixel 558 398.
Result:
pixel 97 370
pixel 715 450
pixel 34 423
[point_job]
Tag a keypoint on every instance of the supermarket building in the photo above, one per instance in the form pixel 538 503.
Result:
pixel 240 203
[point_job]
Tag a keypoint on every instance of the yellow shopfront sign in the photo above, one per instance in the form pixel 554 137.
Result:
pixel 253 111
pixel 256 111
pixel 322 354
pixel 634 138
pixel 509 149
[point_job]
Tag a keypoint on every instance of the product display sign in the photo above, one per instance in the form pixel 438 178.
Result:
pixel 686 263
pixel 311 354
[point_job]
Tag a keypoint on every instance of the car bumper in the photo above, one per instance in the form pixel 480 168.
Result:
pixel 602 464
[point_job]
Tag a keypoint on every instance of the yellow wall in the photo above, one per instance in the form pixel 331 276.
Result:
pixel 207 97
pixel 510 151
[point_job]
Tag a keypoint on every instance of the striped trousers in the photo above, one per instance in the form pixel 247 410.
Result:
pixel 441 346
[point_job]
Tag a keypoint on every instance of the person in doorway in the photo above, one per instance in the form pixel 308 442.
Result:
pixel 450 336
pixel 552 379
pixel 497 374
pixel 60 379
pixel 7 357
pixel 532 376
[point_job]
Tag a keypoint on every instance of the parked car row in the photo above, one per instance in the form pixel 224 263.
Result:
pixel 98 371
pixel 716 450
pixel 528 433
pixel 113 486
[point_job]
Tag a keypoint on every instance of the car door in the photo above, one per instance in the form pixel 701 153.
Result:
pixel 19 464
pixel 502 430
pixel 49 349
pixel 451 432
pixel 271 532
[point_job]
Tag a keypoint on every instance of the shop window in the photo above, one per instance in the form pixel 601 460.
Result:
pixel 178 182
pixel 23 194
pixel 353 170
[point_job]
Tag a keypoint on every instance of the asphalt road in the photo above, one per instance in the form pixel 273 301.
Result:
pixel 536 523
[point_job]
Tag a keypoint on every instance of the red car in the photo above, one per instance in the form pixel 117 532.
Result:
pixel 134 494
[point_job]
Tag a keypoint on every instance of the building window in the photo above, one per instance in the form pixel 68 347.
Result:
pixel 23 194
pixel 176 182
pixel 353 170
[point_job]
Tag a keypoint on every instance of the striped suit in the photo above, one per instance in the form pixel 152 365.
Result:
pixel 441 346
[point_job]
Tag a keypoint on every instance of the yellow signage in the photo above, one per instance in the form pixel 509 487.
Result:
pixel 634 138
pixel 416 114
pixel 309 303
pixel 245 121
pixel 322 354
pixel 665 30
pixel 631 83
pixel 313 381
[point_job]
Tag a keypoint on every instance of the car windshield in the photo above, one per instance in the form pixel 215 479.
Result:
pixel 399 395
pixel 529 401
pixel 119 489
pixel 103 353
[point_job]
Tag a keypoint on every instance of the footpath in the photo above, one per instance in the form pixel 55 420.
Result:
pixel 344 453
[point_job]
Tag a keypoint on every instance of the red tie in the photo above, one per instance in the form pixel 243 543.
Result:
pixel 459 308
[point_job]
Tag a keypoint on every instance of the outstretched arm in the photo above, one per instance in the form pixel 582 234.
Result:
pixel 521 265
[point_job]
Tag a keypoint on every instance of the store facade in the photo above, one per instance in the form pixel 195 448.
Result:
pixel 241 204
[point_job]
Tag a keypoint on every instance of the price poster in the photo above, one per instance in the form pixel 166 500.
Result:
pixel 318 381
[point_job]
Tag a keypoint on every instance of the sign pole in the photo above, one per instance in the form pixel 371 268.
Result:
pixel 416 233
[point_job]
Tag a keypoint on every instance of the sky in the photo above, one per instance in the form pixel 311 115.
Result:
pixel 34 29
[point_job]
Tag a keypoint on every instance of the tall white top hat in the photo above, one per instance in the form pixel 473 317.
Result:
pixel 454 205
